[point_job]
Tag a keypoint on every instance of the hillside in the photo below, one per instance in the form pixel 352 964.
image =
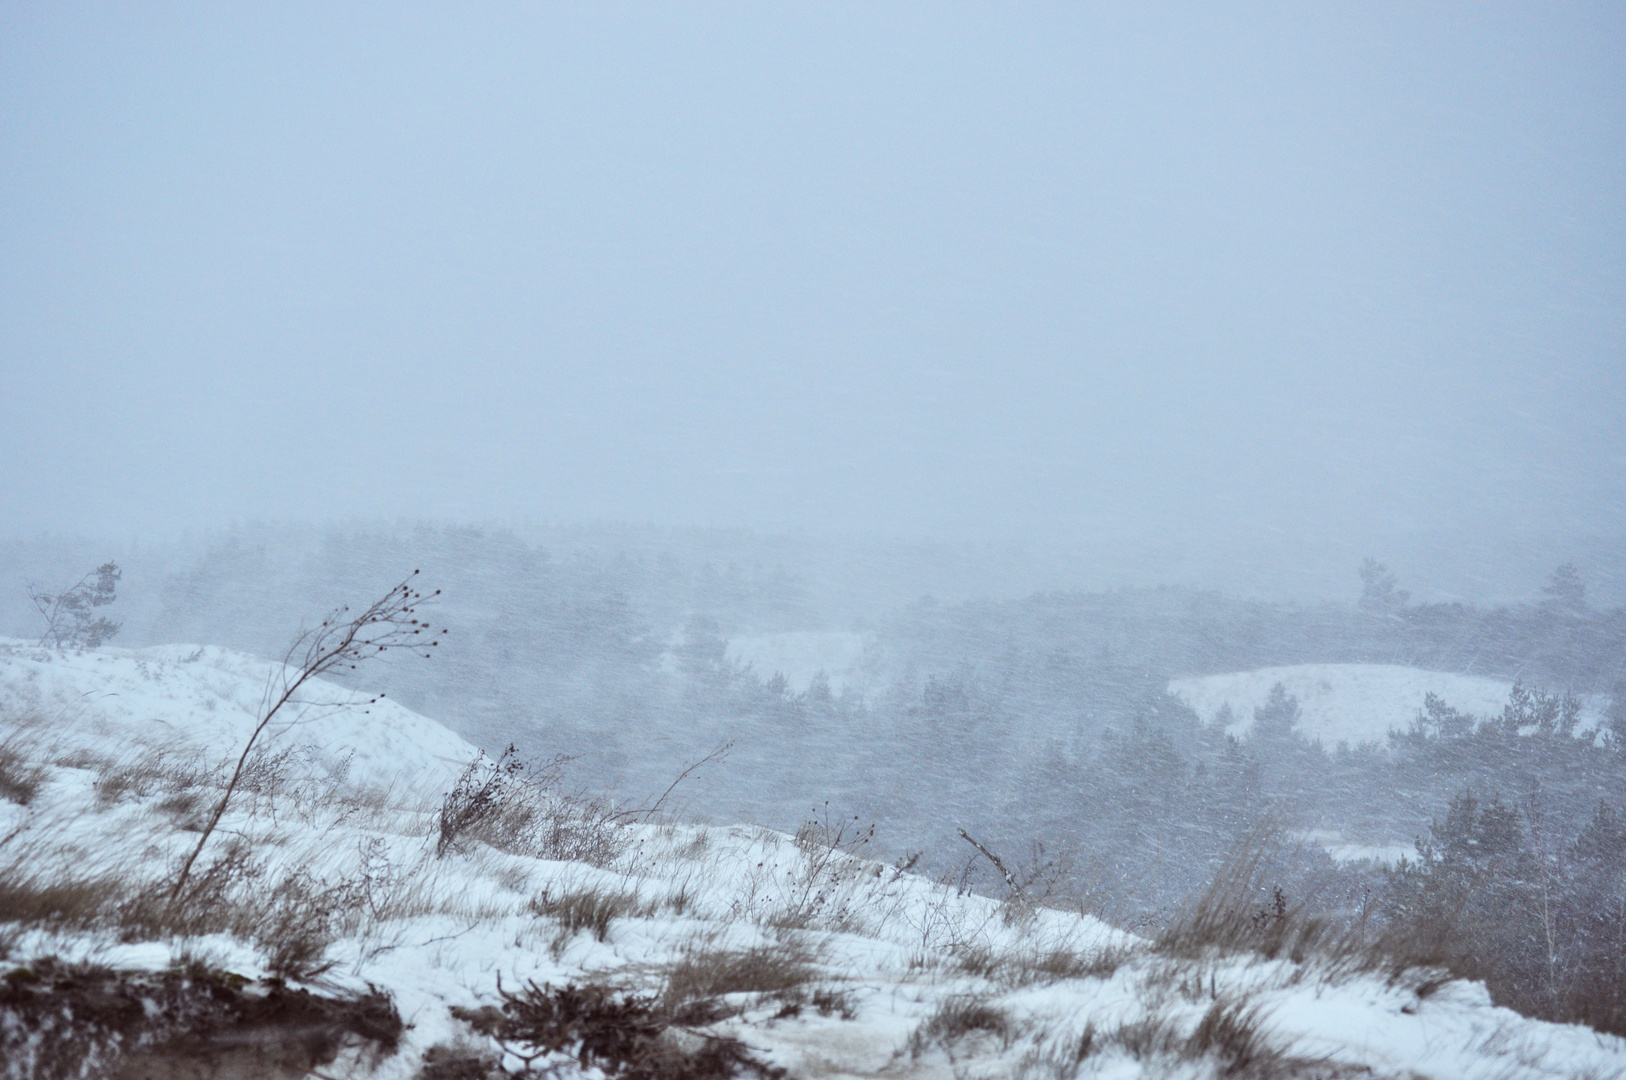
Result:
pixel 336 872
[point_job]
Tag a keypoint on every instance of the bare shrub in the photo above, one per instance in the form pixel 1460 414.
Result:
pixel 955 1019
pixel 488 802
pixel 517 807
pixel 578 830
pixel 339 644
pixel 820 887
pixel 624 1036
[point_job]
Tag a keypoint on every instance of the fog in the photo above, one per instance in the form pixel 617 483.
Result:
pixel 1162 295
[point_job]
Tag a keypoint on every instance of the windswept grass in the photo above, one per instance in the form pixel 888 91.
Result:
pixel 957 1019
pixel 590 909
pixel 704 973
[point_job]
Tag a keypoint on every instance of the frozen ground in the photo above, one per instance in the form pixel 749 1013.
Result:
pixel 1350 703
pixel 895 957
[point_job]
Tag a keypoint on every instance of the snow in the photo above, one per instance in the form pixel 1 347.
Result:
pixel 440 932
pixel 1350 703
pixel 799 656
pixel 206 699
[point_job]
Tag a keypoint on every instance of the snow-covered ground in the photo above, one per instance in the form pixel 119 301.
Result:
pixel 900 953
pixel 799 655
pixel 207 699
pixel 1350 703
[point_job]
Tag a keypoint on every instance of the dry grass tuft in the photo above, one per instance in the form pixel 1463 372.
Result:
pixel 589 909
pixel 1229 1039
pixel 958 1018
pixel 703 974
pixel 1231 1031
pixel 20 780
pixel 28 900
pixel 1237 914
pixel 1041 965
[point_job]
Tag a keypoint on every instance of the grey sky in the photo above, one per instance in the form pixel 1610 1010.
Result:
pixel 1165 275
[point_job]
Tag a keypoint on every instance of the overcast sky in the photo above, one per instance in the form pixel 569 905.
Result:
pixel 1185 275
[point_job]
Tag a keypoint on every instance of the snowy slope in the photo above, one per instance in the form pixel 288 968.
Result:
pixel 119 702
pixel 899 951
pixel 1351 703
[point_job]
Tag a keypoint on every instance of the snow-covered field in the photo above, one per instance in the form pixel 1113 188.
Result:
pixel 799 655
pixel 1351 703
pixel 894 955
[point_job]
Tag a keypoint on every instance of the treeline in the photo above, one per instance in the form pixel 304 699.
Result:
pixel 1552 641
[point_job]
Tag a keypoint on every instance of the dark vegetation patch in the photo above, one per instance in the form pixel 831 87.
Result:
pixel 626 1036
pixel 73 1020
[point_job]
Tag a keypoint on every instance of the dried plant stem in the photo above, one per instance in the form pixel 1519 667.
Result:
pixel 337 643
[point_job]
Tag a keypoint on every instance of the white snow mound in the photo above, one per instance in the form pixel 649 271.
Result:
pixel 1350 703
pixel 115 703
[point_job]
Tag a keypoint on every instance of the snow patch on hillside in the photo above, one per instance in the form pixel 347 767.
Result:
pixel 799 656
pixel 1350 703
pixel 121 702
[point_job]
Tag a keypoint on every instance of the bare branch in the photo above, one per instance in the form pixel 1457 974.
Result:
pixel 338 644
pixel 1010 879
